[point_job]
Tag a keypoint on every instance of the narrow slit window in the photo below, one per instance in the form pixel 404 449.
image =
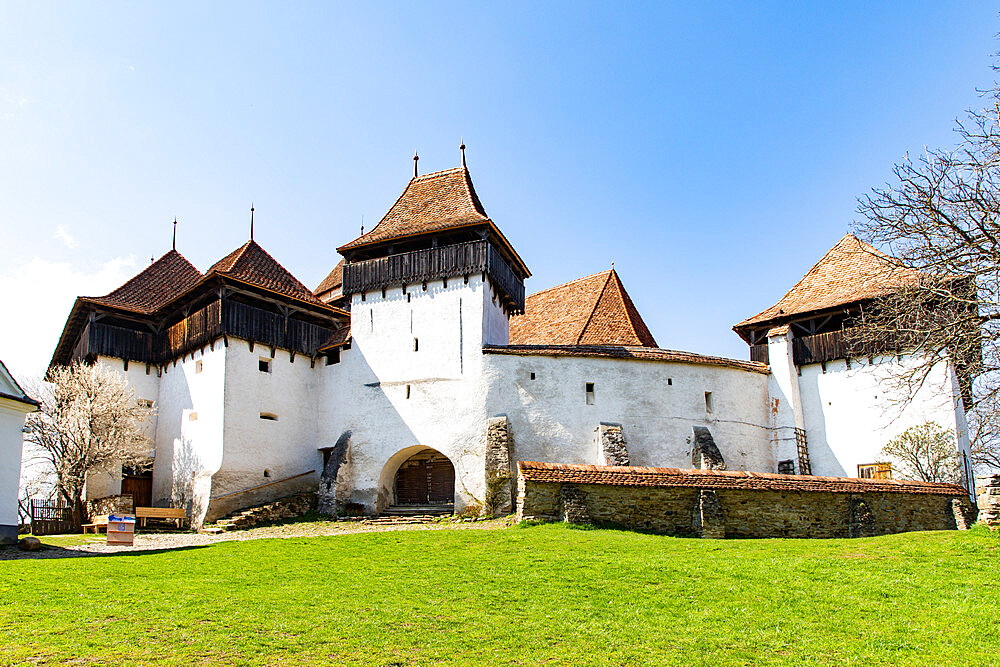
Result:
pixel 532 376
pixel 267 472
pixel 670 382
pixel 590 393
pixel 416 345
pixel 264 365
pixel 269 416
pixel 198 366
pixel 709 403
pixel 407 391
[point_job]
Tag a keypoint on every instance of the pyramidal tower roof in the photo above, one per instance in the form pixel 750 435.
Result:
pixel 153 287
pixel 430 203
pixel 849 272
pixel 253 265
pixel 595 310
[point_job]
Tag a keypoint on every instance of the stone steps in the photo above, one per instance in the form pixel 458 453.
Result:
pixel 282 508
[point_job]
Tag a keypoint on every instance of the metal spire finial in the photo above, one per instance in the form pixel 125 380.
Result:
pixel 462 148
pixel 251 221
pixel 173 243
pixel 362 224
pixel 416 158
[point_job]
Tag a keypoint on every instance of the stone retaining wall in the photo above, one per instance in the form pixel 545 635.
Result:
pixel 735 504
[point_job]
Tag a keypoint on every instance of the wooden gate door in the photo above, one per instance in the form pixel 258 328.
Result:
pixel 426 478
pixel 411 483
pixel 442 476
pixel 141 488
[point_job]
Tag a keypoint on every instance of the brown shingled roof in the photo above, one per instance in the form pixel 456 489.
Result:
pixel 333 280
pixel 849 272
pixel 722 479
pixel 626 352
pixel 432 202
pixel 161 281
pixel 253 265
pixel 595 310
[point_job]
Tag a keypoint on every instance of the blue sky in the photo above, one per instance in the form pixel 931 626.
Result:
pixel 713 151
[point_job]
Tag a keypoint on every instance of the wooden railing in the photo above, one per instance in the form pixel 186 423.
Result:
pixel 759 353
pixel 217 319
pixel 819 348
pixel 435 263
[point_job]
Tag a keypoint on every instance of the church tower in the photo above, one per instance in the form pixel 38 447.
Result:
pixel 433 282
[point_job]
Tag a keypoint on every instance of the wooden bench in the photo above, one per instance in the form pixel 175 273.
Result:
pixel 175 514
pixel 99 523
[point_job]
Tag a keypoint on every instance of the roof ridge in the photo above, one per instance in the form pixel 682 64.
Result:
pixel 623 294
pixel 814 267
pixel 593 310
pixel 442 172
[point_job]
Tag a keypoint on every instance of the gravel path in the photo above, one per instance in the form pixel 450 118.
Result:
pixel 164 541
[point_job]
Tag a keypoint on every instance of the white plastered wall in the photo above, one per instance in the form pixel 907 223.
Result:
pixel 266 451
pixel 851 413
pixel 11 438
pixel 189 430
pixel 657 403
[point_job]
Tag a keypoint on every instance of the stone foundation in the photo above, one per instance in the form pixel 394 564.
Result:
pixel 738 504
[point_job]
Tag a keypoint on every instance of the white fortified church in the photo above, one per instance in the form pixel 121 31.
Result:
pixel 418 374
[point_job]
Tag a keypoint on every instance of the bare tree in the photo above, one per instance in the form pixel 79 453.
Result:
pixel 927 452
pixel 939 222
pixel 89 422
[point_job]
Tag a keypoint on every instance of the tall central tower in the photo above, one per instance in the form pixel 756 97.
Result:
pixel 433 282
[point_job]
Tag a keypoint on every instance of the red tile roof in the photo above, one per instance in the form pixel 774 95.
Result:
pixel 626 352
pixel 337 338
pixel 253 265
pixel 436 202
pixel 154 287
pixel 722 479
pixel 432 202
pixel 849 272
pixel 595 310
pixel 333 280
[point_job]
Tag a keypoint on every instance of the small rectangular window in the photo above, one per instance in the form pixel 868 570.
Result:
pixel 670 382
pixel 416 345
pixel 192 416
pixel 590 393
pixel 264 365
pixel 786 467
pixel 333 356
pixel 198 366
pixel 875 470
pixel 709 407
pixel 269 416
pixel 407 391
pixel 532 376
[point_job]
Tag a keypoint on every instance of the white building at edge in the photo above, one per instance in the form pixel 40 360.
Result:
pixel 14 405
pixel 394 381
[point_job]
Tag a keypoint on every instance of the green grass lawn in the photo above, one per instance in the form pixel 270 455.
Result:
pixel 525 595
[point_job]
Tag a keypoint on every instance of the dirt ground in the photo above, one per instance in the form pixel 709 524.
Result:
pixel 96 545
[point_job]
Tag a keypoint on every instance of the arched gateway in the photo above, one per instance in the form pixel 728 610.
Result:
pixel 425 479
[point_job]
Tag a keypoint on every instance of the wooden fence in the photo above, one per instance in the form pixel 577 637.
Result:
pixel 50 517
